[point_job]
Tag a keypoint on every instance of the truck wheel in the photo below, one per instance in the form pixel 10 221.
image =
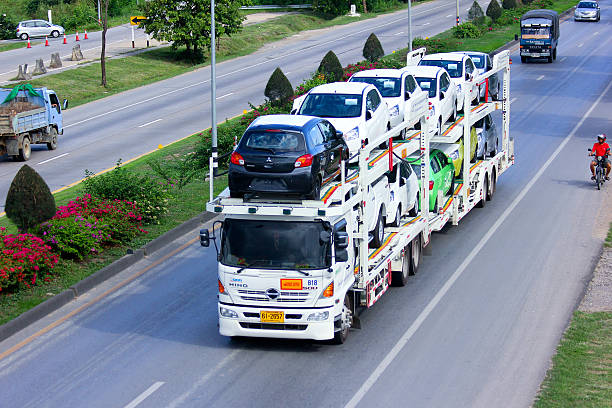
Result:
pixel 52 143
pixel 485 192
pixel 346 318
pixel 379 232
pixel 416 254
pixel 26 150
pixel 400 278
pixel 554 54
pixel 492 188
pixel 523 59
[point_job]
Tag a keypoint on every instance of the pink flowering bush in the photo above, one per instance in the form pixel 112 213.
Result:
pixel 25 261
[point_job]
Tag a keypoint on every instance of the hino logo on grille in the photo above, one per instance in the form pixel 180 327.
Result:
pixel 272 293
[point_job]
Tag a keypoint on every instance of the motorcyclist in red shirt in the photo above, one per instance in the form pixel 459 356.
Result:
pixel 600 148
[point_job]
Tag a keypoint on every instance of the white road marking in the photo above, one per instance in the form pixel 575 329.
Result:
pixel 541 77
pixel 149 123
pixel 53 158
pixel 428 23
pixel 513 100
pixel 562 59
pixel 580 45
pixel 382 366
pixel 450 15
pixel 400 33
pixel 144 395
pixel 596 32
pixel 231 93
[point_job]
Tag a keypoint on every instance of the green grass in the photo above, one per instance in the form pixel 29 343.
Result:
pixel 12 46
pixel 81 85
pixel 581 375
pixel 608 242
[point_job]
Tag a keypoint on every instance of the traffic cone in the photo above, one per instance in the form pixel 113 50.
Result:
pixel 65 42
pixel 85 35
pixel 77 36
pixel 29 45
pixel 46 41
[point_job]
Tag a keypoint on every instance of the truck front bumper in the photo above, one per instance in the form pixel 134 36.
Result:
pixel 295 325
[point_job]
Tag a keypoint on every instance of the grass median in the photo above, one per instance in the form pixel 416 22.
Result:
pixel 12 46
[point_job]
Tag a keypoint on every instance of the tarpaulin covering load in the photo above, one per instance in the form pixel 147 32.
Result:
pixel 25 88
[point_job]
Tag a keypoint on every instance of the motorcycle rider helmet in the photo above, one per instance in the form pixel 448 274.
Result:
pixel 601 137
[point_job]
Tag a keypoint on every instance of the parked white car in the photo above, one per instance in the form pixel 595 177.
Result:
pixel 355 109
pixel 404 190
pixel 38 28
pixel 442 93
pixel 461 69
pixel 405 99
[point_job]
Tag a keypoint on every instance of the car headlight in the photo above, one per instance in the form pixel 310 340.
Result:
pixel 454 155
pixel 227 313
pixel 318 316
pixel 352 134
pixel 394 111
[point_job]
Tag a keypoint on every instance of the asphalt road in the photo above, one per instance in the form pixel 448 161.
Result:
pixel 475 328
pixel 134 122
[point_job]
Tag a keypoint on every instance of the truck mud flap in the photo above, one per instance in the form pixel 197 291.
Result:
pixel 12 147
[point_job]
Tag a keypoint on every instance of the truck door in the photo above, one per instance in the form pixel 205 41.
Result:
pixel 55 112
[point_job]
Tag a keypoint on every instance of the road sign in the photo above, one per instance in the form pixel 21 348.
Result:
pixel 135 20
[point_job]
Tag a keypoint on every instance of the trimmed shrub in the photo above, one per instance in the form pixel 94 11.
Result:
pixel 510 4
pixel 331 8
pixel 29 200
pixel 150 196
pixel 494 10
pixel 7 27
pixel 330 67
pixel 466 30
pixel 476 14
pixel 372 49
pixel 316 80
pixel 350 69
pixel 278 89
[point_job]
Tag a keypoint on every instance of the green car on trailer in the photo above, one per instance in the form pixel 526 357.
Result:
pixel 442 175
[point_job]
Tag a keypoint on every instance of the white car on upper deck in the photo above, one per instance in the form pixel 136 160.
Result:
pixel 356 109
pixel 442 94
pixel 406 100
pixel 461 69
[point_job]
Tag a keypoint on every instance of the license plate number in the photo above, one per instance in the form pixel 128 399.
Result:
pixel 272 317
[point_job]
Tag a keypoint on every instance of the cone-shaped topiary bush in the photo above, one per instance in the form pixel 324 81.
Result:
pixel 373 50
pixel 279 89
pixel 494 10
pixel 476 14
pixel 29 200
pixel 510 4
pixel 330 66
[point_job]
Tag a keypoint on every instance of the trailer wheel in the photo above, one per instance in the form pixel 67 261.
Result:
pixel 346 318
pixel 52 143
pixel 416 254
pixel 379 231
pixel 26 150
pixel 485 192
pixel 400 278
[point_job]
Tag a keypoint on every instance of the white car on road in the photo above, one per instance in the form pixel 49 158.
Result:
pixel 442 94
pixel 406 100
pixel 461 69
pixel 356 109
pixel 37 28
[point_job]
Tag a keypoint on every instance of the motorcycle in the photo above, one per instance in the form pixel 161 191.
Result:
pixel 600 171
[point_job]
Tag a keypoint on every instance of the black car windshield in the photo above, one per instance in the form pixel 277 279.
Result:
pixel 454 68
pixel 532 33
pixel 587 4
pixel 274 140
pixel 332 105
pixel 274 244
pixel 388 87
pixel 479 60
pixel 427 84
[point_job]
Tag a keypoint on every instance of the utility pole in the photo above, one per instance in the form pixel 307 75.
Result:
pixel 409 25
pixel 213 90
pixel 457 12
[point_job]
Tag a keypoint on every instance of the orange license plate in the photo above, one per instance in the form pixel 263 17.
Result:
pixel 272 317
pixel 291 284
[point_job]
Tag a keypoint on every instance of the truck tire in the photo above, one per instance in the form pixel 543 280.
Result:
pixel 52 143
pixel 523 59
pixel 492 186
pixel 400 278
pixel 346 317
pixel 379 231
pixel 416 254
pixel 485 192
pixel 26 150
pixel 554 54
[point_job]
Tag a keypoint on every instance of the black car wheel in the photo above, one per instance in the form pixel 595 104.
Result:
pixel 24 36
pixel 54 33
pixel 316 189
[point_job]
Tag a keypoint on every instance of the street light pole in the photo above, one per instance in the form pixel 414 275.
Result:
pixel 99 11
pixel 409 25
pixel 457 12
pixel 213 90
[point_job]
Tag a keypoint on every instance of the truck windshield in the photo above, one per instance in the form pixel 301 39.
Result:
pixel 454 68
pixel 274 244
pixel 533 33
pixel 388 87
pixel 427 84
pixel 332 105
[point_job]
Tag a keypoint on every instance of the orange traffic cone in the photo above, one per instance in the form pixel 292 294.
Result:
pixel 77 36
pixel 46 41
pixel 29 45
pixel 85 35
pixel 65 42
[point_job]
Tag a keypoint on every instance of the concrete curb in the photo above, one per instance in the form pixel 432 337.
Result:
pixel 54 303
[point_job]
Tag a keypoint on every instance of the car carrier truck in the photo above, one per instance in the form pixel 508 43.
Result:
pixel 306 269
pixel 29 116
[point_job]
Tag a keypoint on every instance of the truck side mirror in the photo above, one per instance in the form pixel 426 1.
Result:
pixel 341 255
pixel 441 95
pixel 341 240
pixel 339 134
pixel 65 105
pixel 204 238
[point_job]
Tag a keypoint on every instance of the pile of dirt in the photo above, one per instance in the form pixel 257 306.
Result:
pixel 16 107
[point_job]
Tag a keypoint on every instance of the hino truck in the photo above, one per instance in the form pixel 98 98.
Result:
pixel 306 269
pixel 539 35
pixel 29 116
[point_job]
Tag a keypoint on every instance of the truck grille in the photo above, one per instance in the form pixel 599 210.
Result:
pixel 273 326
pixel 285 297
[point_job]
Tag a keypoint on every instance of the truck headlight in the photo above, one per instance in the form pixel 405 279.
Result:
pixel 394 111
pixel 317 317
pixel 352 134
pixel 227 313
